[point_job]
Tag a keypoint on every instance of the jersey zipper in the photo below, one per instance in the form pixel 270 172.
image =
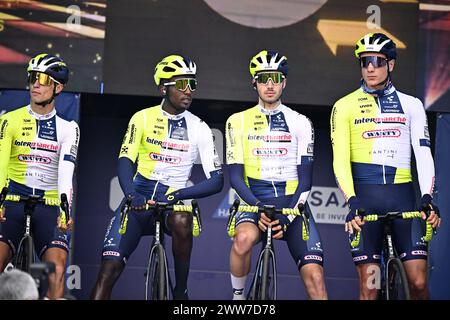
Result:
pixel 35 151
pixel 275 189
pixel 154 190
pixel 384 169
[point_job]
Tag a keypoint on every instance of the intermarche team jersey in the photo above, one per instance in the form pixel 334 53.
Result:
pixel 166 146
pixel 372 138
pixel 38 151
pixel 270 145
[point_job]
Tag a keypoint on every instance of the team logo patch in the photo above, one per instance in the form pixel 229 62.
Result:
pixel 164 158
pixel 270 152
pixel 385 133
pixel 34 158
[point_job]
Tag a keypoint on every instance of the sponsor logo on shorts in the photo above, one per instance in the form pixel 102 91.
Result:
pixel 111 253
pixel 313 257
pixel 402 255
pixel 60 243
pixel 419 253
pixel 376 256
pixel 245 220
pixel 360 258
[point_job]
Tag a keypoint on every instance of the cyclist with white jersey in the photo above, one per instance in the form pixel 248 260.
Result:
pixel 270 157
pixel 165 141
pixel 38 150
pixel 372 131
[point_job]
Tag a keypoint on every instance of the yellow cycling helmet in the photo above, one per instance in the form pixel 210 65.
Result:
pixel 268 60
pixel 376 42
pixel 172 66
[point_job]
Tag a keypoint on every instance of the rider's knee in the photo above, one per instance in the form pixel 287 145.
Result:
pixel 367 292
pixel 181 225
pixel 243 243
pixel 315 277
pixel 418 284
pixel 60 269
pixel 111 270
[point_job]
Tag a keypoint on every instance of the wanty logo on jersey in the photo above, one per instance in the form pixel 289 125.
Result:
pixel 164 158
pixel 34 158
pixel 385 133
pixel 270 152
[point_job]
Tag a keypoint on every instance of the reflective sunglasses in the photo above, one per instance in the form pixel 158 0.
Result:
pixel 182 84
pixel 376 61
pixel 43 78
pixel 263 77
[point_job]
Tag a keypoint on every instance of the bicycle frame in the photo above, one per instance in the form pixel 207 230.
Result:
pixel 158 247
pixel 157 251
pixel 267 254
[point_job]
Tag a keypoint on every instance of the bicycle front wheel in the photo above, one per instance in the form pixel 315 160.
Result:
pixel 268 276
pixel 396 285
pixel 264 281
pixel 157 278
pixel 25 254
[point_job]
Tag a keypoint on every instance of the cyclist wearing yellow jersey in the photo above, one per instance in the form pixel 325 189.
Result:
pixel 165 140
pixel 372 131
pixel 270 156
pixel 38 149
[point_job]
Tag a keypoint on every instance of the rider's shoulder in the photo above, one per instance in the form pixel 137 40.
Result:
pixel 348 100
pixel 409 100
pixel 17 113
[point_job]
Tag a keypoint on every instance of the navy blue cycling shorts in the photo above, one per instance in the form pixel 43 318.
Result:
pixel 303 252
pixel 120 247
pixel 43 228
pixel 407 234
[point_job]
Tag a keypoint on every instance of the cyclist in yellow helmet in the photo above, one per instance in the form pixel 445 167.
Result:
pixel 270 158
pixel 372 131
pixel 165 140
pixel 38 152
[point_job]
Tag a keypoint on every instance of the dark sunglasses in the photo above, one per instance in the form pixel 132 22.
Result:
pixel 376 61
pixel 182 84
pixel 263 77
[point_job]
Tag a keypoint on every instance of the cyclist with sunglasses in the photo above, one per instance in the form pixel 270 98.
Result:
pixel 165 140
pixel 270 156
pixel 38 151
pixel 372 131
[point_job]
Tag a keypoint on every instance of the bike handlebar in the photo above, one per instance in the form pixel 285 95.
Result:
pixel 161 207
pixel 391 216
pixel 33 200
pixel 269 210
